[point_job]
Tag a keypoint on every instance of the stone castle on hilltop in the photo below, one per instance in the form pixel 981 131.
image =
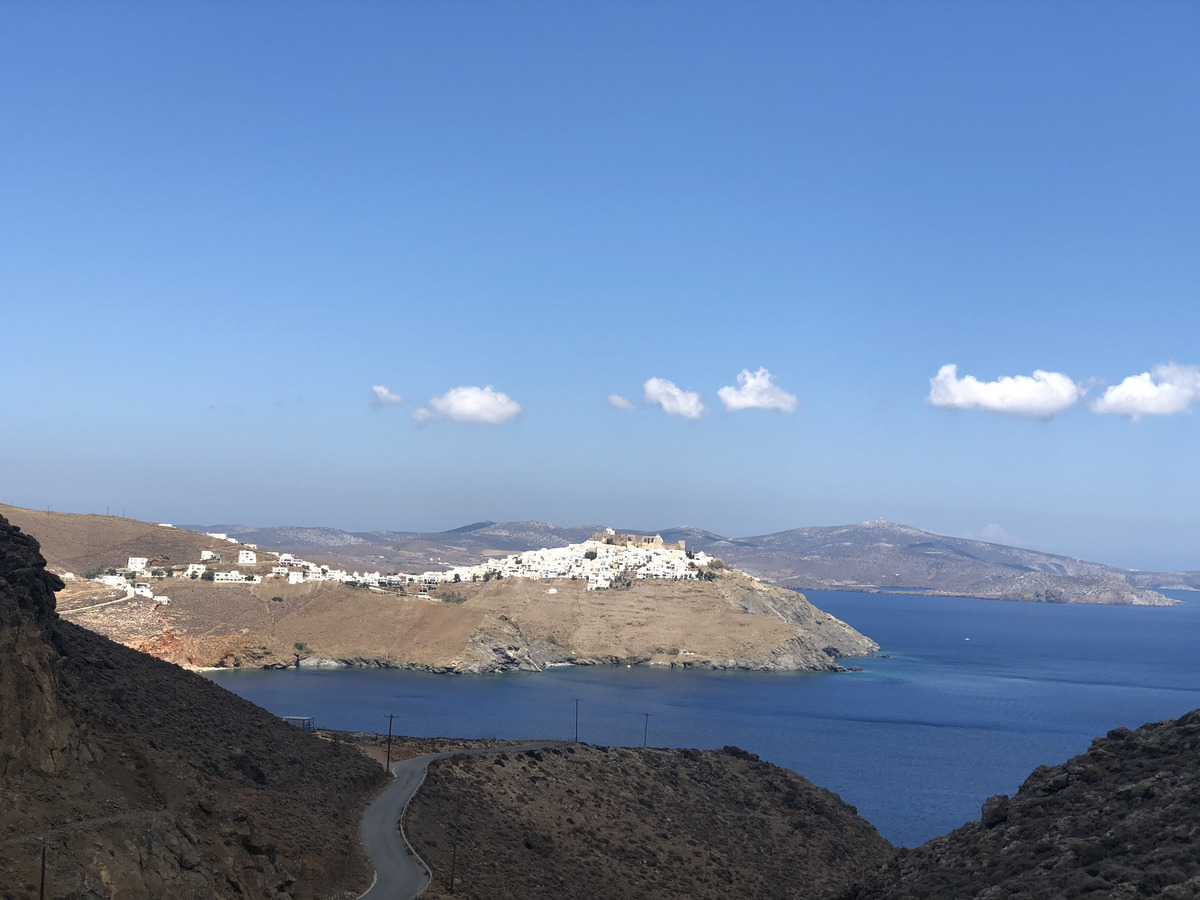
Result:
pixel 641 541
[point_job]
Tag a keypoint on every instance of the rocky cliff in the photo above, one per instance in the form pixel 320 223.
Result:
pixel 36 731
pixel 145 781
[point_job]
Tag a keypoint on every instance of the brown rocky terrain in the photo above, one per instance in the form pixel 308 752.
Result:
pixel 586 822
pixel 145 781
pixel 1120 821
pixel 77 543
pixel 510 624
pixel 732 621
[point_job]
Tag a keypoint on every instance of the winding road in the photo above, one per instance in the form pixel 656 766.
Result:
pixel 399 873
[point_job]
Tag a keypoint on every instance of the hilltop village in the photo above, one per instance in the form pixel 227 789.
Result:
pixel 606 557
pixel 599 561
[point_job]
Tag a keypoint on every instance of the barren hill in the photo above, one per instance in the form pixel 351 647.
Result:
pixel 146 781
pixel 75 543
pixel 1120 821
pixel 883 555
pixel 585 822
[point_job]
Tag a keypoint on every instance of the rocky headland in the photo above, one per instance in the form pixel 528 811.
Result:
pixel 724 620
pixel 731 622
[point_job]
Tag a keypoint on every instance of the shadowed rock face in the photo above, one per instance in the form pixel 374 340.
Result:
pixel 35 731
pixel 24 582
pixel 147 781
pixel 1120 821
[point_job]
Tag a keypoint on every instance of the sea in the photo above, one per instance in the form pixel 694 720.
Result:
pixel 964 700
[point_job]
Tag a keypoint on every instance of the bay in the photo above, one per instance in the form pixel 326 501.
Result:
pixel 973 694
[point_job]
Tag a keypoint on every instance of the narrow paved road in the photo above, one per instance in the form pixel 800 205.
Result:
pixel 399 872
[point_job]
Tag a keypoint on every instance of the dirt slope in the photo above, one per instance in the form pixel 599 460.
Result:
pixel 76 543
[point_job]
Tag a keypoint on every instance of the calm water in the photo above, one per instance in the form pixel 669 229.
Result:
pixel 974 695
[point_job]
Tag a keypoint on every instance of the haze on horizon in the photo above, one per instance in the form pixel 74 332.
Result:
pixel 742 268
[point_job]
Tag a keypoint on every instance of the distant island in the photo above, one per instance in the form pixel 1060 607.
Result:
pixel 871 556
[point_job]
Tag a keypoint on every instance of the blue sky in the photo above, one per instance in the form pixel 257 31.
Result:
pixel 221 225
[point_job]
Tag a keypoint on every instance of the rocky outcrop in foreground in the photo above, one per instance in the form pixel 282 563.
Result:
pixel 145 781
pixel 586 822
pixel 1120 821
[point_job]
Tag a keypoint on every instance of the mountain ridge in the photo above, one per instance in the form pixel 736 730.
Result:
pixel 871 556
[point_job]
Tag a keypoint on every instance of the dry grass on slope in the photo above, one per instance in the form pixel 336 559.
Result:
pixel 584 822
pixel 75 543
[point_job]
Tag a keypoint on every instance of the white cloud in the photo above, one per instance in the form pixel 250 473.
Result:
pixel 1039 396
pixel 470 404
pixel 756 391
pixel 672 399
pixel 1163 391
pixel 995 534
pixel 620 402
pixel 383 397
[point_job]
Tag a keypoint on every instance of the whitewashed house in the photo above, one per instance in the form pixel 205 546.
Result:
pixel 137 564
pixel 247 558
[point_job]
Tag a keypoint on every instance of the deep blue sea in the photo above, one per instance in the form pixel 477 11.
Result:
pixel 974 695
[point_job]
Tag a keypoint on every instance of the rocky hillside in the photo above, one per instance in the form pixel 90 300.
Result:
pixel 145 781
pixel 1120 821
pixel 586 822
pixel 475 628
pixel 882 555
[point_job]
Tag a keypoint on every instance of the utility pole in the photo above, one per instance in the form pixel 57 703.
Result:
pixel 454 845
pixel 387 766
pixel 42 889
pixel 646 732
pixel 577 720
